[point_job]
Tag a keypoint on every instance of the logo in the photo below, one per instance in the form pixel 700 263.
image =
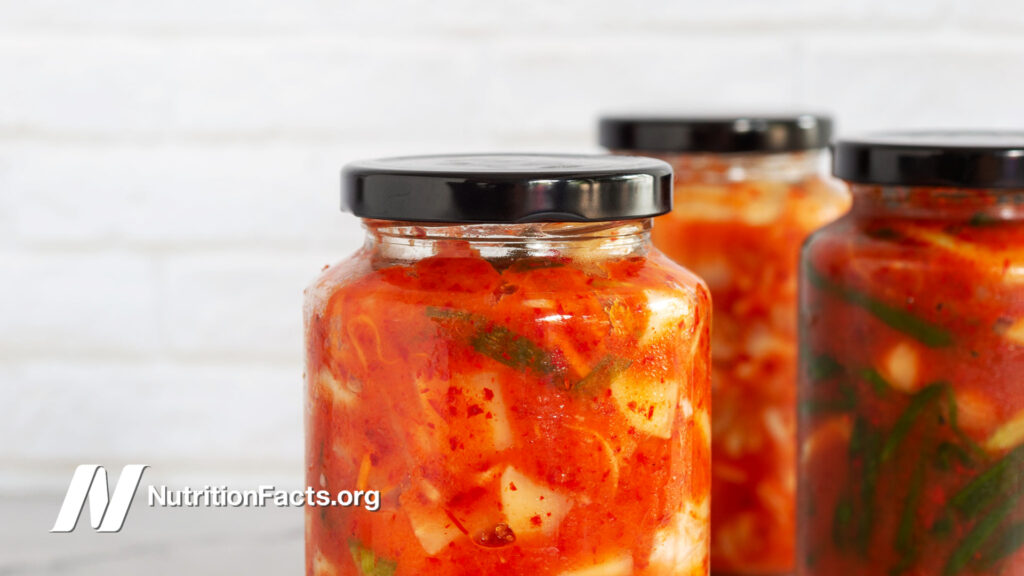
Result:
pixel 106 512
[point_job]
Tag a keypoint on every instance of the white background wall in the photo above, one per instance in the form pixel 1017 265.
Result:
pixel 169 172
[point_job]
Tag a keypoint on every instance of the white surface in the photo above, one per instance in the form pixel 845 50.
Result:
pixel 154 541
pixel 169 172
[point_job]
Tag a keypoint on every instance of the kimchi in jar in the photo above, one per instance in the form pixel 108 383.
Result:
pixel 748 190
pixel 912 328
pixel 516 370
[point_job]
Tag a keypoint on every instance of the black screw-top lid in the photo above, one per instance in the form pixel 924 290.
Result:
pixel 507 188
pixel 716 134
pixel 952 159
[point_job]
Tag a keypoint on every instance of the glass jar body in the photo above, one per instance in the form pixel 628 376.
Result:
pixel 911 410
pixel 738 223
pixel 528 399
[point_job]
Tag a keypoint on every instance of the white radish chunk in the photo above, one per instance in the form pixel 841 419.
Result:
pixel 669 316
pixel 530 507
pixel 702 420
pixel 485 391
pixel 702 204
pixel 480 412
pixel 337 391
pixel 1015 333
pixel 591 436
pixel 682 547
pixel 976 412
pixel 1008 436
pixel 900 367
pixel 322 566
pixel 621 565
pixel 835 431
pixel 648 403
pixel 767 206
pixel 433 528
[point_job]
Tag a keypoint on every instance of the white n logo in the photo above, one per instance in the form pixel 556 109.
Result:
pixel 106 514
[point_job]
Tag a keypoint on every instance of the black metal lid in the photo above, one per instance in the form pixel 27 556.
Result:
pixel 507 188
pixel 951 158
pixel 716 134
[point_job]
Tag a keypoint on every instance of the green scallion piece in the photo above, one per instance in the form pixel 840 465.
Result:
pixel 494 341
pixel 368 563
pixel 979 535
pixel 896 318
pixel 918 403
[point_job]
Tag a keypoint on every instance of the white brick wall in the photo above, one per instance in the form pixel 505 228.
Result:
pixel 177 416
pixel 237 305
pixel 77 303
pixel 169 171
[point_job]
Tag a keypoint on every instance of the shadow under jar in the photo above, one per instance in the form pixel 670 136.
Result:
pixel 748 191
pixel 517 370
pixel 912 362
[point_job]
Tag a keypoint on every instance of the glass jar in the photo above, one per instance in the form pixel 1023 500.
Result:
pixel 521 375
pixel 748 191
pixel 912 324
